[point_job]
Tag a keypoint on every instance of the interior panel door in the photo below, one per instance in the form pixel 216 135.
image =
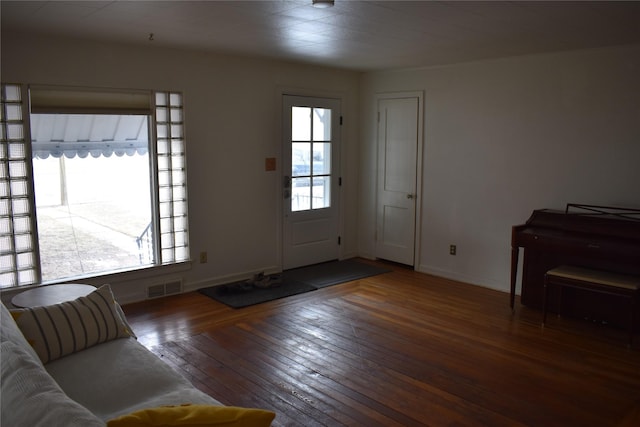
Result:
pixel 398 138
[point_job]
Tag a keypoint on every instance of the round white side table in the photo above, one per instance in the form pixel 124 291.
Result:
pixel 51 294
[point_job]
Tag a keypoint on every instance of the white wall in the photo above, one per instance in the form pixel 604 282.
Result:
pixel 232 124
pixel 504 137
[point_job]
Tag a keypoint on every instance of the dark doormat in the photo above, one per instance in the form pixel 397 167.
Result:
pixel 333 272
pixel 235 296
pixel 295 281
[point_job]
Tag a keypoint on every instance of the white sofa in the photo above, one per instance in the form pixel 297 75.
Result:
pixel 82 386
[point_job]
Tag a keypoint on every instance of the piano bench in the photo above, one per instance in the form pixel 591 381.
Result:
pixel 596 281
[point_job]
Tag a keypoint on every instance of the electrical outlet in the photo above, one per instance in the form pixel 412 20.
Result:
pixel 203 257
pixel 452 249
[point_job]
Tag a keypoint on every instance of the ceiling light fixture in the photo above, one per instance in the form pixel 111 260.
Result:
pixel 322 4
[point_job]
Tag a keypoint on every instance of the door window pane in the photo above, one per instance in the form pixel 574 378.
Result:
pixel 321 124
pixel 301 123
pixel 301 159
pixel 321 192
pixel 301 194
pixel 321 158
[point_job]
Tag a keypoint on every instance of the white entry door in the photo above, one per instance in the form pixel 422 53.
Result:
pixel 310 163
pixel 399 152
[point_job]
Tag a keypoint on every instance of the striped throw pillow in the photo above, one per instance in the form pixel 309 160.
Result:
pixel 57 330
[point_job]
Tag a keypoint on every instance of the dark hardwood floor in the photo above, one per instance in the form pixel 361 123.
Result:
pixel 398 349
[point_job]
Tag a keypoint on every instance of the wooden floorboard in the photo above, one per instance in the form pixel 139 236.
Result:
pixel 398 349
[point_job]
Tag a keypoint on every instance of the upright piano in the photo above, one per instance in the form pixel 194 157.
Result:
pixel 597 237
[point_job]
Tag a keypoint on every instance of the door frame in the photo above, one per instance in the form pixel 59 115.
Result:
pixel 280 93
pixel 419 165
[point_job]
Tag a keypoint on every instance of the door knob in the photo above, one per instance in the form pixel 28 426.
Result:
pixel 287 187
pixel 410 196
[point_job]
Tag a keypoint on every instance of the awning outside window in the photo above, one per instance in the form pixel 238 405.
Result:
pixel 82 135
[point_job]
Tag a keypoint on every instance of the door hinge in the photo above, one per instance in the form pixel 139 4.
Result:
pixel 339 240
pixel 340 120
pixel 378 116
pixel 340 182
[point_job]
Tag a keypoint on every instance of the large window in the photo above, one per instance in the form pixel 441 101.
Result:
pixel 93 205
pixel 92 182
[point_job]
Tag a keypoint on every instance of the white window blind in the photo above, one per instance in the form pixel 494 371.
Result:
pixel 47 99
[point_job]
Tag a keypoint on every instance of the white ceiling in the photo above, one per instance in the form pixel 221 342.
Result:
pixel 359 35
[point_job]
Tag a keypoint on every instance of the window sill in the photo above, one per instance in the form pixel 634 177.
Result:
pixel 129 275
